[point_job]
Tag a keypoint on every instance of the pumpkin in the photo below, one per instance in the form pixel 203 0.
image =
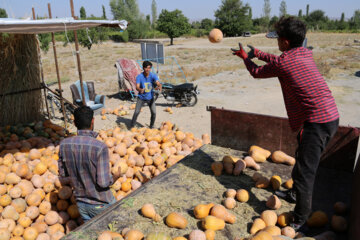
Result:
pixel 73 211
pixel 105 236
pixel 281 157
pixel 19 204
pixel 229 203
pixel 71 225
pixel 338 223
pixel 269 217
pixel 15 192
pixel 202 210
pixel 32 212
pixel 41 227
pixel 220 211
pixel 12 178
pixel 40 168
pixel 18 230
pixel 284 219
pixel 289 184
pixel 176 220
pixel 262 182
pixel 33 199
pixel 210 234
pixel 258 225
pixel 158 236
pixel 273 230
pixel 197 235
pixel 213 223
pixel 250 162
pixel 10 212
pixel 148 211
pixel 43 236
pixel 34 154
pixel 340 208
pixel 65 192
pixel 5 200
pixel 317 219
pixel 4 234
pixel 217 168
pixel 273 202
pixel 215 35
pixel 230 193
pixel 242 195
pixel 44 207
pixel 288 231
pixel 24 221
pixel 30 233
pixel 134 235
pixel 275 182
pixel 62 205
pixel 239 166
pixel 262 235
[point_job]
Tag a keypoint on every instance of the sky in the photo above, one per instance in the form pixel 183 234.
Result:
pixel 193 9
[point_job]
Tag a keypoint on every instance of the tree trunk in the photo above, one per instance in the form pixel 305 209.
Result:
pixel 171 41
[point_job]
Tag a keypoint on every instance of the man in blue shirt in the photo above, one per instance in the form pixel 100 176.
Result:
pixel 144 85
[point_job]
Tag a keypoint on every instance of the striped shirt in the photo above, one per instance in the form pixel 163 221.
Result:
pixel 86 161
pixel 306 94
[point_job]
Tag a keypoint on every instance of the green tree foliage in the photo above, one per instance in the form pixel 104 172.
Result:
pixel 317 20
pixel 232 18
pixel 273 20
pixel 44 39
pixel 3 13
pixel 104 12
pixel 129 10
pixel 173 23
pixel 196 25
pixel 264 21
pixel 283 9
pixel 355 20
pixel 307 10
pixel 300 13
pixel 82 13
pixel 153 13
pixel 207 24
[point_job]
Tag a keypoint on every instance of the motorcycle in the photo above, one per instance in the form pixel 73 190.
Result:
pixel 185 93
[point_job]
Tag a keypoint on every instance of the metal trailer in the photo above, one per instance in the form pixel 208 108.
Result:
pixel 191 182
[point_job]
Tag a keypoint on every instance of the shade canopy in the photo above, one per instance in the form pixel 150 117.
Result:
pixel 20 26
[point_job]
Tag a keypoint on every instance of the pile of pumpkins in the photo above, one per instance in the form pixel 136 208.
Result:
pixel 23 137
pixel 35 205
pixel 122 110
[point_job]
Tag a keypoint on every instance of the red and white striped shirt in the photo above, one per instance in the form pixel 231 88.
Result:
pixel 306 94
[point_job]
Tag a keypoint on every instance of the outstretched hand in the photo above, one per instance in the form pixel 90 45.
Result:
pixel 253 52
pixel 240 52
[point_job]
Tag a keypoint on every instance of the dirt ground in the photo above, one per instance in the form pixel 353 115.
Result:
pixel 221 77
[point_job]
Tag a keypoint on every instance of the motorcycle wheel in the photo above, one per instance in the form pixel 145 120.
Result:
pixel 191 100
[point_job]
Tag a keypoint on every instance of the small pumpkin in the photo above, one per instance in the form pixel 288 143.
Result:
pixel 242 195
pixel 176 220
pixel 148 211
pixel 202 210
pixel 213 223
pixel 269 217
pixel 317 219
pixel 220 211
pixel 258 225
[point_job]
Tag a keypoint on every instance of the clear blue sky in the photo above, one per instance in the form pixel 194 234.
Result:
pixel 192 9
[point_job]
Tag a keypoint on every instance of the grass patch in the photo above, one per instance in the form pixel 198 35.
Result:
pixel 52 81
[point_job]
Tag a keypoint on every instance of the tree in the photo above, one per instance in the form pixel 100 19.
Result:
pixel 282 8
pixel 307 10
pixel 153 13
pixel 266 9
pixel 317 19
pixel 129 10
pixel 3 13
pixel 300 13
pixel 266 15
pixel 82 13
pixel 232 18
pixel 174 24
pixel 355 20
pixel 207 24
pixel 104 13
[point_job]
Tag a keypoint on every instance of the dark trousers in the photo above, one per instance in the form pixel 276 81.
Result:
pixel 138 107
pixel 312 140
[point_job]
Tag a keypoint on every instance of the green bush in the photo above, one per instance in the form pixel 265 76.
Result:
pixel 119 36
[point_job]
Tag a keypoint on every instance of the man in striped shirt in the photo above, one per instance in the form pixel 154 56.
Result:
pixel 84 164
pixel 309 104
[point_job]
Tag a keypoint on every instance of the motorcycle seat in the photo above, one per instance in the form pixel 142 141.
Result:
pixel 184 86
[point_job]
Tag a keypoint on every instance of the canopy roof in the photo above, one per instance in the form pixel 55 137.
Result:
pixel 19 26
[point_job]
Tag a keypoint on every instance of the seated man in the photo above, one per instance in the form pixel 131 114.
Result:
pixel 144 85
pixel 84 164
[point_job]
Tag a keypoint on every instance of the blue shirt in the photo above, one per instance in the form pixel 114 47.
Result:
pixel 146 83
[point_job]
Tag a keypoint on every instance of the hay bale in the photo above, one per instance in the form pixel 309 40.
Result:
pixel 20 70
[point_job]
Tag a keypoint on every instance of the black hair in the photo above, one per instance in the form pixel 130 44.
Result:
pixel 291 28
pixel 146 64
pixel 82 117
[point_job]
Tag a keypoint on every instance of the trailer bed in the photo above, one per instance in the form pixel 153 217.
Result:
pixel 191 182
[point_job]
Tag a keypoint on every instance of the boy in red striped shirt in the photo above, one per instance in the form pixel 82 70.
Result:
pixel 309 104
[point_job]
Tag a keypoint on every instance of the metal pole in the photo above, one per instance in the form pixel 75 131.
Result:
pixel 57 72
pixel 41 71
pixel 78 55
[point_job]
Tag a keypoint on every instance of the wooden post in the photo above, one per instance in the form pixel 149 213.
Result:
pixel 57 72
pixel 42 72
pixel 78 55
